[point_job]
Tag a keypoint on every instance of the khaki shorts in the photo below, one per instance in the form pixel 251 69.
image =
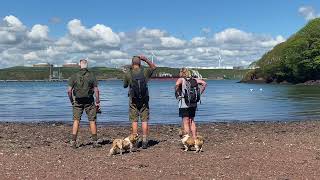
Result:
pixel 90 109
pixel 141 111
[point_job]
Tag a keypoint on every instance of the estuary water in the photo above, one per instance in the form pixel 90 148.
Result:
pixel 223 101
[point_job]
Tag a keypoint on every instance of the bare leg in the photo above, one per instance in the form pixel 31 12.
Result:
pixel 193 128
pixel 93 127
pixel 75 127
pixel 186 125
pixel 134 127
pixel 145 128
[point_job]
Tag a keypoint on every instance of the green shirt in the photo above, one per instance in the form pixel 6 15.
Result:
pixel 128 78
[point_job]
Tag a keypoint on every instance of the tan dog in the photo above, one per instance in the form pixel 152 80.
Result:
pixel 123 144
pixel 189 142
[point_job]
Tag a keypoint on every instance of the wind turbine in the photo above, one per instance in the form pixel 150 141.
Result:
pixel 153 56
pixel 220 60
pixel 207 52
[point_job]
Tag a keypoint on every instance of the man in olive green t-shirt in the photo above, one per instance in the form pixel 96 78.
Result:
pixel 136 79
pixel 81 88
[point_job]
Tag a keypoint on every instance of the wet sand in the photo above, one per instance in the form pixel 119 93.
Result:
pixel 231 151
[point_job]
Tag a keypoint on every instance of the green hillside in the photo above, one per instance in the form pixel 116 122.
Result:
pixel 208 73
pixel 42 73
pixel 296 60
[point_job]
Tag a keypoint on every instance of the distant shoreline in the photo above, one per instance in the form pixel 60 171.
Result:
pixel 110 79
pixel 62 80
pixel 307 83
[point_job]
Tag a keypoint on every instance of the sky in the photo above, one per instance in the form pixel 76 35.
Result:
pixel 178 33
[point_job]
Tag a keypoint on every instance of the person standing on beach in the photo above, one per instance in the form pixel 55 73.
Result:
pixel 137 80
pixel 188 93
pixel 82 86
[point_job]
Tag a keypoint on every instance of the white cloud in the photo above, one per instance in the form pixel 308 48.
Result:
pixel 30 56
pixel 232 35
pixel 206 30
pixel 308 12
pixel 272 42
pixel 198 41
pixel 39 32
pixel 98 35
pixel 7 37
pixel 12 21
pixel 144 32
pixel 21 45
pixel 172 42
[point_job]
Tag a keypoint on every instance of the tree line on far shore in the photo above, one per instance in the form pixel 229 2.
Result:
pixel 43 73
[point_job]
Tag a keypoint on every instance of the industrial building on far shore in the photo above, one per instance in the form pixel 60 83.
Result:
pixel 73 65
pixel 42 65
pixel 70 65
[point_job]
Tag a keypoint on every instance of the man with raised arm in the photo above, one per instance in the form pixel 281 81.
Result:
pixel 137 80
pixel 82 86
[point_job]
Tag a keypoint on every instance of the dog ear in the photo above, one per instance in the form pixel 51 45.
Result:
pixel 182 132
pixel 132 137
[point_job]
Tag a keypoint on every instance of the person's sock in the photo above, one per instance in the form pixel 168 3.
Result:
pixel 94 137
pixel 144 138
pixel 74 137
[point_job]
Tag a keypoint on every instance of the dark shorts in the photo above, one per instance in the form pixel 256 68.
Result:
pixel 90 109
pixel 187 112
pixel 136 111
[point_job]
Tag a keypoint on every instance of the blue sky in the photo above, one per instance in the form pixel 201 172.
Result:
pixel 181 19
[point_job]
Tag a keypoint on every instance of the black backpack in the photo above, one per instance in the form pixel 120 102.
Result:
pixel 192 91
pixel 139 88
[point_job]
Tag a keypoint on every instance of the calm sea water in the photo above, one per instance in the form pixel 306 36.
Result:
pixel 223 101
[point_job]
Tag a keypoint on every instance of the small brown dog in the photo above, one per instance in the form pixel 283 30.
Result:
pixel 123 144
pixel 189 142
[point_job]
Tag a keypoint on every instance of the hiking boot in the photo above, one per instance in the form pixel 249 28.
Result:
pixel 73 144
pixel 96 144
pixel 144 144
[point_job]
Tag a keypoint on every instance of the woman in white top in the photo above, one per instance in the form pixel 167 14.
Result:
pixel 187 109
